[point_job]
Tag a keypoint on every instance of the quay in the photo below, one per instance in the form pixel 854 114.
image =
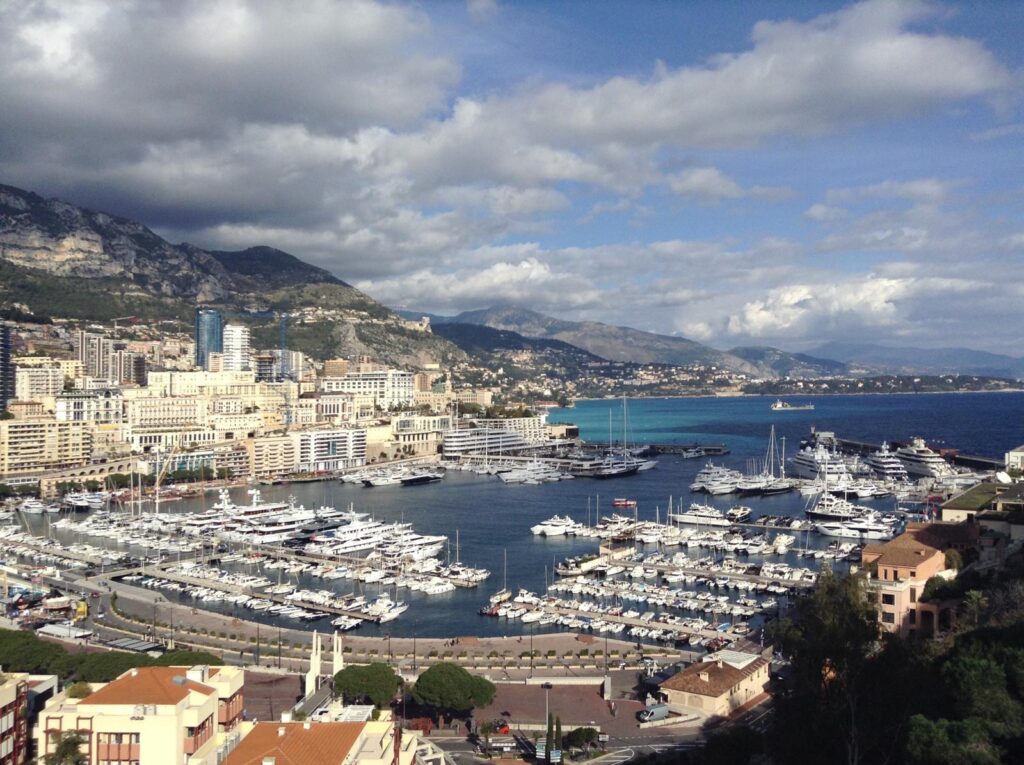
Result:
pixel 710 450
pixel 160 572
pixel 852 446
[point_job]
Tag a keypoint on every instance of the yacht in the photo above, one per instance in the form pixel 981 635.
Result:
pixel 920 461
pixel 416 477
pixel 32 507
pixel 868 527
pixel 810 463
pixel 716 476
pixel 556 526
pixel 829 507
pixel 887 465
pixel 739 514
pixel 702 515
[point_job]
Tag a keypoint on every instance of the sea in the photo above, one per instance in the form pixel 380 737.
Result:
pixel 488 521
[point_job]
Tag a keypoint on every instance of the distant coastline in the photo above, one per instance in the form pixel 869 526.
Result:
pixel 801 395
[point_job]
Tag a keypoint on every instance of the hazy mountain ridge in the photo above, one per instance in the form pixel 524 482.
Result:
pixel 870 358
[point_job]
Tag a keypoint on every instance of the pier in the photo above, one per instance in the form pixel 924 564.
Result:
pixel 853 446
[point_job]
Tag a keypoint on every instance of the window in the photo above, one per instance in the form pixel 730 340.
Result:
pixel 888 599
pixel 913 616
pixel 888 617
pixel 913 595
pixel 913 575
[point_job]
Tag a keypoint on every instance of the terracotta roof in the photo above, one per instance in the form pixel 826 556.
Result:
pixel 147 685
pixel 910 548
pixel 720 678
pixel 322 743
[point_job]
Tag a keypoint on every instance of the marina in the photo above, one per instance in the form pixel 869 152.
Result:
pixel 468 519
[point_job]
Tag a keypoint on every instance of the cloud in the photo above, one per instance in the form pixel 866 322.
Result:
pixel 1003 131
pixel 709 184
pixel 824 213
pixel 918 190
pixel 481 10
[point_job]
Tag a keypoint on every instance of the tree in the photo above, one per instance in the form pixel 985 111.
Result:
pixel 68 751
pixel 376 682
pixel 549 738
pixel 450 689
pixel 732 745
pixel 487 730
pixel 954 560
pixel 558 731
pixel 945 742
pixel 580 737
pixel 975 603
pixel 78 690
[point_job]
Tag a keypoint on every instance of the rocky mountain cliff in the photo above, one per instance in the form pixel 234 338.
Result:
pixel 60 260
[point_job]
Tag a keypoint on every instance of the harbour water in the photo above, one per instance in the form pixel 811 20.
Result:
pixel 487 517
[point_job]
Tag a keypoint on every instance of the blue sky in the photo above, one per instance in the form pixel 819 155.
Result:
pixel 738 173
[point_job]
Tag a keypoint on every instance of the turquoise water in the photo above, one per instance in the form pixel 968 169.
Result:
pixel 981 424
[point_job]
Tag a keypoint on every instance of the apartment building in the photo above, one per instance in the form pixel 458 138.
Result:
pixel 334 449
pixel 208 335
pixel 99 406
pixel 35 383
pixel 151 716
pixel 272 455
pixel 6 367
pixel 42 443
pixel 420 434
pixel 236 348
pixel 389 388
pixel 14 702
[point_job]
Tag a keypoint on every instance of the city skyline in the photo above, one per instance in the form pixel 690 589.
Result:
pixel 739 174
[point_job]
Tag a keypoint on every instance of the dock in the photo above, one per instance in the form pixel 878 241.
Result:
pixel 964 460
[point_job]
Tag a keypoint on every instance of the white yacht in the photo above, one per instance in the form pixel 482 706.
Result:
pixel 920 461
pixel 716 476
pixel 556 526
pixel 887 465
pixel 810 463
pixel 701 515
pixel 868 527
pixel 829 507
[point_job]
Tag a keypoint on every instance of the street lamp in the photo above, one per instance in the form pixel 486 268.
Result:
pixel 547 687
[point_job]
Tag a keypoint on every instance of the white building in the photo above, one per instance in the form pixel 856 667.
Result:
pixel 1014 458
pixel 390 388
pixel 34 383
pixel 236 348
pixel 491 441
pixel 334 449
pixel 532 429
pixel 99 406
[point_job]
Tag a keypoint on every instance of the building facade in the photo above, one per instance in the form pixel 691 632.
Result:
pixel 389 388
pixel 41 443
pixel 209 335
pixel 328 450
pixel 6 367
pixel 718 686
pixel 151 716
pixel 236 348
pixel 35 383
pixel 482 441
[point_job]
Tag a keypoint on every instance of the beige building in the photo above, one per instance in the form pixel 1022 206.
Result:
pixel 271 455
pixel 717 686
pixel 325 743
pixel 336 367
pixel 35 383
pixel 897 573
pixel 41 443
pixel 419 434
pixel 151 716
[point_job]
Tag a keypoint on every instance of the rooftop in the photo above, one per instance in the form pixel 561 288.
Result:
pixel 975 499
pixel 711 678
pixel 148 685
pixel 324 743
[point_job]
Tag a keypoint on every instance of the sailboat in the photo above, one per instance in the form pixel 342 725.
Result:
pixel 504 593
pixel 613 465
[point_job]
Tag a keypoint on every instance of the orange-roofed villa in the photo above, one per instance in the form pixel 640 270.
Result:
pixel 326 743
pixel 151 716
pixel 897 573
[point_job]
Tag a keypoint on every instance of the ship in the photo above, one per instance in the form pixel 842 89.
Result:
pixel 785 406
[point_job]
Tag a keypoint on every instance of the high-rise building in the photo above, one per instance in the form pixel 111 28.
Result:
pixel 6 367
pixel 236 348
pixel 209 334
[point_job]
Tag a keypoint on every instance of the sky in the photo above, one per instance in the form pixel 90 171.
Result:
pixel 739 173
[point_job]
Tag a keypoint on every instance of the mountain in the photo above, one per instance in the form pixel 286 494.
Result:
pixel 785 364
pixel 605 340
pixel 633 345
pixel 57 259
pixel 866 357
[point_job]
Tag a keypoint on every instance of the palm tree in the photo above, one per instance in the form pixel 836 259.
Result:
pixel 68 751
pixel 974 603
